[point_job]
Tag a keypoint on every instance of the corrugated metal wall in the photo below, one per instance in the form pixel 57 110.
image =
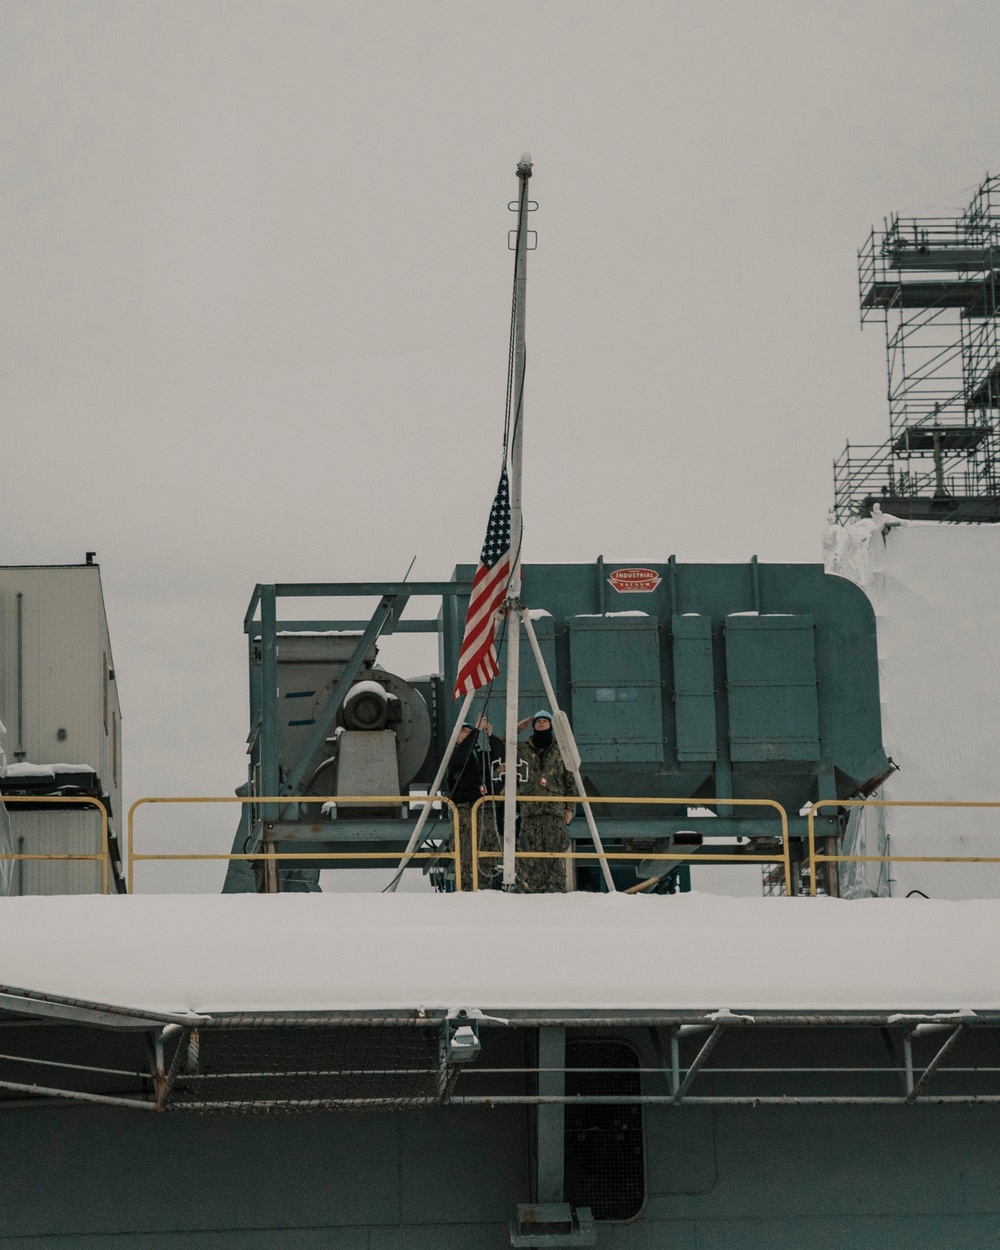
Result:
pixel 68 711
pixel 56 833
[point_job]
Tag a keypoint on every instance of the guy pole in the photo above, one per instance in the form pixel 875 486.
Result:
pixel 516 525
pixel 417 836
pixel 567 747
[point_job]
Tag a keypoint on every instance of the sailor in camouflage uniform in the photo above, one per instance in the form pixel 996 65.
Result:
pixel 543 826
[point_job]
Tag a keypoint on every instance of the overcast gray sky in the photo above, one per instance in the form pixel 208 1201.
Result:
pixel 256 292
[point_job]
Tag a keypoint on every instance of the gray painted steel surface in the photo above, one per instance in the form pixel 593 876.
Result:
pixel 793 1177
pixel 716 1179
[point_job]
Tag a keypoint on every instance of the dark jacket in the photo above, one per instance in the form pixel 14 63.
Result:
pixel 471 768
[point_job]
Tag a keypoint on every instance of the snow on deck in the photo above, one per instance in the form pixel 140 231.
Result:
pixel 316 952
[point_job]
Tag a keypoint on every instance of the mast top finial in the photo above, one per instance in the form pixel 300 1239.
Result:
pixel 524 164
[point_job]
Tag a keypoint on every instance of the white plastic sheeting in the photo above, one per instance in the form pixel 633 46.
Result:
pixel 7 866
pixel 300 952
pixel 866 835
pixel 935 588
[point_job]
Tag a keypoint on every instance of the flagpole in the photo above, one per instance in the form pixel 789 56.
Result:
pixel 516 525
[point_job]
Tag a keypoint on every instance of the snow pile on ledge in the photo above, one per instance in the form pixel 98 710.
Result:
pixel 302 952
pixel 48 771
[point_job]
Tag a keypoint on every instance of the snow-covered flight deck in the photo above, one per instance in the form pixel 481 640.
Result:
pixel 578 952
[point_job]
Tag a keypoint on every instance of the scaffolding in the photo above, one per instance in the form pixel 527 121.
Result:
pixel 934 283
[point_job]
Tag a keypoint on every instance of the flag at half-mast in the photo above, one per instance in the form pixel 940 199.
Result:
pixel 477 660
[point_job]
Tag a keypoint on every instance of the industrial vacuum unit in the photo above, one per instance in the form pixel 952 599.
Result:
pixel 695 682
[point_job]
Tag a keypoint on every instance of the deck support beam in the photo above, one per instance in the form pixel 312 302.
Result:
pixel 551 1116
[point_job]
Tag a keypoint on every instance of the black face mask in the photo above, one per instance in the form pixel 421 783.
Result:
pixel 542 738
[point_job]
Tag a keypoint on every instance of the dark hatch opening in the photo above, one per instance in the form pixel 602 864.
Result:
pixel 605 1169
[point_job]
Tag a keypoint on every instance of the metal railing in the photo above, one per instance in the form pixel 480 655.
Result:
pixel 276 857
pixel 571 855
pixel 455 854
pixel 103 856
pixel 864 470
pixel 816 857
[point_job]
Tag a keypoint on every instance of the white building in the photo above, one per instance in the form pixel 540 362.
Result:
pixel 59 704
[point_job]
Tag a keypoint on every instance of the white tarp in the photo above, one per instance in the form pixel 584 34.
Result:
pixel 494 951
pixel 935 588
pixel 7 866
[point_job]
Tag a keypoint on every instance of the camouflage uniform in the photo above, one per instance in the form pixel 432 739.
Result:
pixel 486 827
pixel 542 825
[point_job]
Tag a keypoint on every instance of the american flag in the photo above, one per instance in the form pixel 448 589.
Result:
pixel 477 660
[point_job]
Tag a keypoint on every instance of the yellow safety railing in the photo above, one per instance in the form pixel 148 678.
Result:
pixel 104 856
pixel 817 857
pixel 566 800
pixel 393 800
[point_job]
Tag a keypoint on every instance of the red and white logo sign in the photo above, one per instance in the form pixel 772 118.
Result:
pixel 634 581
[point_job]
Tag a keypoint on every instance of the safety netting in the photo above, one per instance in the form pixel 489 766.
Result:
pixel 288 1066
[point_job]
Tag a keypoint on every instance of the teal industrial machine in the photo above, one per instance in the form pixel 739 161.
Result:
pixel 689 681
